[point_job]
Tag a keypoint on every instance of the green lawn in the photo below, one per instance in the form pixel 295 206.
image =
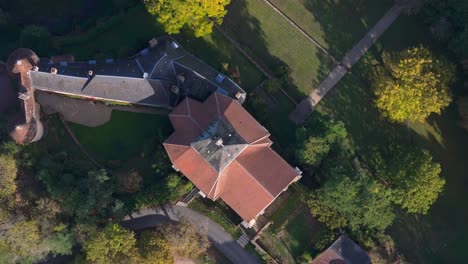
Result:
pixel 335 24
pixel 282 213
pixel 442 235
pixel 301 234
pixel 270 39
pixel 125 136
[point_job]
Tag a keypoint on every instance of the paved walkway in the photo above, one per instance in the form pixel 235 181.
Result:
pixel 220 239
pixel 306 106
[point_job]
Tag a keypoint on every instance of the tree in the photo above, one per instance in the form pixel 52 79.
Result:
pixel 8 171
pixel 113 244
pixel 154 248
pixel 36 38
pixel 358 202
pixel 313 152
pixel 414 179
pixel 317 147
pixel 418 87
pixel 454 12
pixel 198 15
pixel 184 240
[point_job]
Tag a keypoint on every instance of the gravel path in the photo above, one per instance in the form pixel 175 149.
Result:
pixel 220 239
pixel 306 106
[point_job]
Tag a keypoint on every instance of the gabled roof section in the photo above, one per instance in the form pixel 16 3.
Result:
pixel 268 168
pixel 194 167
pixel 175 151
pixel 247 127
pixel 345 251
pixel 242 192
pixel 185 130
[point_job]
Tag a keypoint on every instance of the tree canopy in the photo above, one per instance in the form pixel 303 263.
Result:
pixel 36 38
pixel 453 14
pixel 418 87
pixel 414 179
pixel 316 147
pixel 197 15
pixel 154 248
pixel 8 171
pixel 113 244
pixel 184 240
pixel 358 202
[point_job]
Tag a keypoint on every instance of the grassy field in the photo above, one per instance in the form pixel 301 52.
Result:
pixel 125 136
pixel 282 213
pixel 442 235
pixel 271 40
pixel 335 24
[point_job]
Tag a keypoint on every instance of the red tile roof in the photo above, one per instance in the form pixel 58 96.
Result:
pixel 253 177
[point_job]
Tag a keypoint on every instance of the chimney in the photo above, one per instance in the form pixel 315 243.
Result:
pixel 219 142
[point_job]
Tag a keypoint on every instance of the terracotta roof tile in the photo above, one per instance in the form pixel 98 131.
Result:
pixel 199 172
pixel 247 127
pixel 242 193
pixel 185 130
pixel 252 179
pixel 203 113
pixel 180 109
pixel 268 168
pixel 175 151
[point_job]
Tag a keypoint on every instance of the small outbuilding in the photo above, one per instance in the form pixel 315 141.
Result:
pixel 343 251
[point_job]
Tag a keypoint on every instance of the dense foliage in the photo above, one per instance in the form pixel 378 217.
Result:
pixel 113 244
pixel 418 86
pixel 360 195
pixel 447 20
pixel 184 240
pixel 414 179
pixel 8 171
pixel 198 15
pixel 154 248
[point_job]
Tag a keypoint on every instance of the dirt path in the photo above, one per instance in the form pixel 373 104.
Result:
pixel 306 106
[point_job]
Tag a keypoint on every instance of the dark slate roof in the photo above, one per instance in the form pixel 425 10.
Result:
pixel 133 90
pixel 219 144
pixel 148 78
pixel 345 251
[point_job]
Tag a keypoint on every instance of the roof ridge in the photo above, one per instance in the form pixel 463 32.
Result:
pixel 255 179
pixel 217 104
pixel 254 142
pixel 190 115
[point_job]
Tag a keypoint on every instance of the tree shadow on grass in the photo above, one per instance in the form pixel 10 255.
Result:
pixel 345 22
pixel 262 33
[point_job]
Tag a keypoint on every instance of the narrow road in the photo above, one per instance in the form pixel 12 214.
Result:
pixel 306 106
pixel 220 239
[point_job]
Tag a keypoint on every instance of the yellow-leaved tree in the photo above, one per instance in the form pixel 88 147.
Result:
pixel 198 15
pixel 418 86
pixel 8 171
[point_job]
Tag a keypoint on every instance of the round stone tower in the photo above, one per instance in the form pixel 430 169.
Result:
pixel 26 126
